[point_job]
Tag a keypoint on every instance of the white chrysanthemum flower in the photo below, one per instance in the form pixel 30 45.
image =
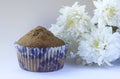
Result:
pixel 107 12
pixel 72 22
pixel 101 46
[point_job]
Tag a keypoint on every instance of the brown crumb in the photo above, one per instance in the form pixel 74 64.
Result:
pixel 40 37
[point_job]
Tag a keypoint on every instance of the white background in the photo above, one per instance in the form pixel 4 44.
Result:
pixel 19 16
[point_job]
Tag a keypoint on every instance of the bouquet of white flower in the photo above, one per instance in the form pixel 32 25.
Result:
pixel 91 42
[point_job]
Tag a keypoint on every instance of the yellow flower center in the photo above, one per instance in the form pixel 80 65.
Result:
pixel 111 11
pixel 70 22
pixel 71 19
pixel 96 43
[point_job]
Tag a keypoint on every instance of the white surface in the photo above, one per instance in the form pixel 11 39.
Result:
pixel 9 69
pixel 19 16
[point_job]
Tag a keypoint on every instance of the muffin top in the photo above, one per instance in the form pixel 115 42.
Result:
pixel 40 37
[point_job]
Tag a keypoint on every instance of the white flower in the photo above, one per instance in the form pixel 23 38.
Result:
pixel 107 12
pixel 101 46
pixel 72 22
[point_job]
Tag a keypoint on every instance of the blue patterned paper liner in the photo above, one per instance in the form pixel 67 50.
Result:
pixel 41 59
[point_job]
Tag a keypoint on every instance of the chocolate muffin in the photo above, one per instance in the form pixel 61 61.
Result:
pixel 40 51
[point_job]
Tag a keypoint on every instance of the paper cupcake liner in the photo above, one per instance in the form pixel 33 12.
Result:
pixel 41 59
